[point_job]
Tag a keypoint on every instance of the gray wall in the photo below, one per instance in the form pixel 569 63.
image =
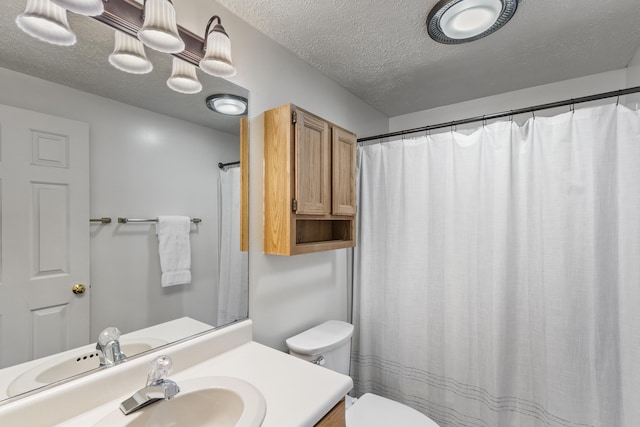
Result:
pixel 286 294
pixel 558 91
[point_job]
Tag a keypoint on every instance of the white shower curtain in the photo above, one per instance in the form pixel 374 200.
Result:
pixel 233 285
pixel 497 274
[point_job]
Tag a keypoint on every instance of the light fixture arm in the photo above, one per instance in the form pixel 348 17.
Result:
pixel 218 27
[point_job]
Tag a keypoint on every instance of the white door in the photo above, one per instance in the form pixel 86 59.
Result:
pixel 44 234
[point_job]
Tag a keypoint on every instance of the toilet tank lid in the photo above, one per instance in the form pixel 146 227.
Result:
pixel 321 338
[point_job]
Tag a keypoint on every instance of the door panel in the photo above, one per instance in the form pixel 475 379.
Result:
pixel 313 169
pixel 343 175
pixel 44 188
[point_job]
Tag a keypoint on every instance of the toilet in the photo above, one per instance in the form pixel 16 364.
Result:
pixel 329 345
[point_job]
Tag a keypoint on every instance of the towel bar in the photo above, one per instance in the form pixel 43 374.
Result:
pixel 126 220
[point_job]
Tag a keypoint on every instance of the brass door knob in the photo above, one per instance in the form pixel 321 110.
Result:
pixel 78 288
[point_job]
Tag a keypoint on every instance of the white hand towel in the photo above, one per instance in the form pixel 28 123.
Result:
pixel 174 248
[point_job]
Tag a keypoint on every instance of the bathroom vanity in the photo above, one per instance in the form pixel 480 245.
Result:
pixel 296 393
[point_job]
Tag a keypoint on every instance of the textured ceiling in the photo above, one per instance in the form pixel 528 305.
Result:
pixel 380 50
pixel 85 66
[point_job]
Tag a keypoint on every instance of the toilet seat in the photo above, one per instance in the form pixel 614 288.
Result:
pixel 372 410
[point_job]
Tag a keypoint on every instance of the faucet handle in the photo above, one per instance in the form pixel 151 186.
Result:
pixel 159 370
pixel 107 335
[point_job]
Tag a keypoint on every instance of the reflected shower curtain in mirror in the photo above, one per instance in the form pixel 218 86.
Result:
pixel 232 289
pixel 497 273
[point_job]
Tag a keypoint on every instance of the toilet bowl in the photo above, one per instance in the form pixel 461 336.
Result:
pixel 329 345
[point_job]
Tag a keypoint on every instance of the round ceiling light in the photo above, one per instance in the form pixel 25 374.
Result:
pixel 461 21
pixel 230 105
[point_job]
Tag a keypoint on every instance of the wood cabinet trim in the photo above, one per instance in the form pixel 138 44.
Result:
pixel 244 184
pixel 336 417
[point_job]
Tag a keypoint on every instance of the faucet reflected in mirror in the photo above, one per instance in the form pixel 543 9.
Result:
pixel 150 152
pixel 108 347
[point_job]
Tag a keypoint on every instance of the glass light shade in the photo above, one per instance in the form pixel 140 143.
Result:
pixel 217 57
pixel 184 78
pixel 83 7
pixel 469 18
pixel 46 21
pixel 160 29
pixel 128 55
pixel 230 105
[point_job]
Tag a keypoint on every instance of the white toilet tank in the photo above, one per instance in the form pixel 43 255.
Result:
pixel 328 344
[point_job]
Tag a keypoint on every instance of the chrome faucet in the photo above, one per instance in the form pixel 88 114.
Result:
pixel 157 388
pixel 108 347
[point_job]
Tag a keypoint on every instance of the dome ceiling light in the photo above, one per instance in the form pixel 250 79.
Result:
pixel 229 105
pixel 461 21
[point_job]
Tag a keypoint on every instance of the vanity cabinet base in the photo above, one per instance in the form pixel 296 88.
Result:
pixel 335 417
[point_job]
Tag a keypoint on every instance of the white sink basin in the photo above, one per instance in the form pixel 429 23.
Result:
pixel 85 359
pixel 202 402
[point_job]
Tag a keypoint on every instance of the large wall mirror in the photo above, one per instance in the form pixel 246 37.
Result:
pixel 80 141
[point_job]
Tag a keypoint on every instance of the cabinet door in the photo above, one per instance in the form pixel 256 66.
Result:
pixel 344 172
pixel 312 167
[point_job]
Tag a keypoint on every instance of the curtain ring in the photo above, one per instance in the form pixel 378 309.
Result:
pixel 572 107
pixel 511 116
pixel 533 114
pixel 618 101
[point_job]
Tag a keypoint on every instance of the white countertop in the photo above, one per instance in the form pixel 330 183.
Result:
pixel 297 393
pixel 164 333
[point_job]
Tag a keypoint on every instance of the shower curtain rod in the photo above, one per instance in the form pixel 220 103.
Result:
pixel 509 113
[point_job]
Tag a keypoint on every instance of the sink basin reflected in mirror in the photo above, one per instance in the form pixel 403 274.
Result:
pixel 69 365
pixel 207 401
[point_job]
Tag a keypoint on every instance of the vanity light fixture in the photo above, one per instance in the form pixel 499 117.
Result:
pixel 229 105
pixel 83 7
pixel 461 21
pixel 217 51
pixel 46 21
pixel 152 23
pixel 183 77
pixel 128 55
pixel 160 29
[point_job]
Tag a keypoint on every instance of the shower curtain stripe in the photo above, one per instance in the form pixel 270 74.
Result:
pixel 496 278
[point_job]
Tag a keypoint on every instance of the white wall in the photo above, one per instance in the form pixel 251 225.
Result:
pixel 567 89
pixel 134 174
pixel 287 294
pixel 633 79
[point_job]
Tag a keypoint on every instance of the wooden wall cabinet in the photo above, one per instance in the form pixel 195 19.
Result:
pixel 309 183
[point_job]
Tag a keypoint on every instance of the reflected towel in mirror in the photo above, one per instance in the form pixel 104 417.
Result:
pixel 174 249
